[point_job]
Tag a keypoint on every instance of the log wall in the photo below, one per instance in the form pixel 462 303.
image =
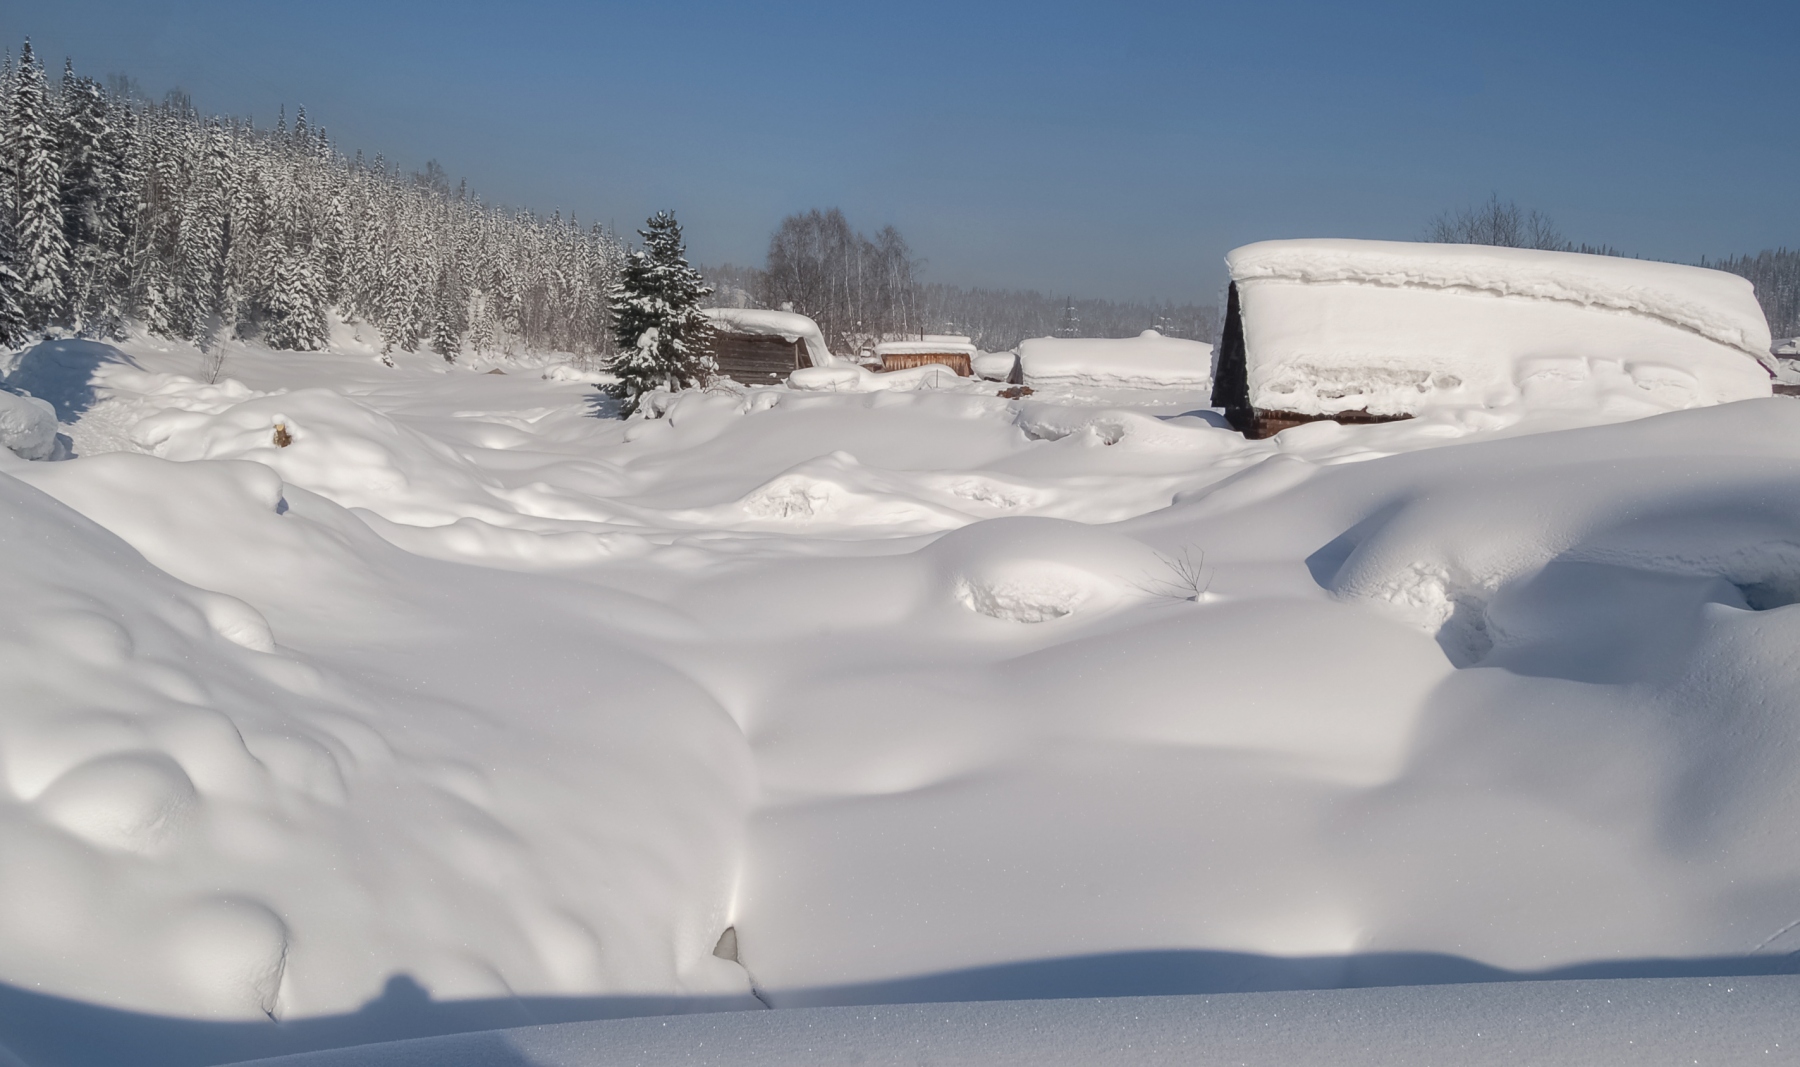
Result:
pixel 753 359
pixel 956 361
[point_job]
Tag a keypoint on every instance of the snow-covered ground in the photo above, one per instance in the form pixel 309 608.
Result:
pixel 471 699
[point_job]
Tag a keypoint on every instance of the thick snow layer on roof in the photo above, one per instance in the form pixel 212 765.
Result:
pixel 788 325
pixel 930 346
pixel 994 366
pixel 1392 328
pixel 1711 303
pixel 1147 361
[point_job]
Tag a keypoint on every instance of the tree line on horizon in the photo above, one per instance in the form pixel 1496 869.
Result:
pixel 1775 273
pixel 862 290
pixel 114 211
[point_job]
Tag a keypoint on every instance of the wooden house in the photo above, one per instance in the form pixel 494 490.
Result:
pixel 1374 331
pixel 756 347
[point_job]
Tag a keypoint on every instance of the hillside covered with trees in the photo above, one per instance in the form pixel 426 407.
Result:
pixel 116 210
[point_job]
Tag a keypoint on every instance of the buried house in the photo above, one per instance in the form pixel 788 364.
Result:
pixel 756 347
pixel 1372 331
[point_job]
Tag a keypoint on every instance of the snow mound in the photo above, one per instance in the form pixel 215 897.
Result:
pixel 994 366
pixel 27 426
pixel 201 822
pixel 1147 361
pixel 845 378
pixel 790 326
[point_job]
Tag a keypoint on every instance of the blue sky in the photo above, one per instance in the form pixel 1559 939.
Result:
pixel 1107 149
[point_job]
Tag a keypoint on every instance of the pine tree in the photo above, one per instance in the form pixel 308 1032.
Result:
pixel 663 340
pixel 41 248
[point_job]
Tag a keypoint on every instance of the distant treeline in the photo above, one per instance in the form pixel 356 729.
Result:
pixel 864 290
pixel 115 210
pixel 1775 274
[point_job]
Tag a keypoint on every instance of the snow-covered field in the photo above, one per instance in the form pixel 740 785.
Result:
pixel 472 704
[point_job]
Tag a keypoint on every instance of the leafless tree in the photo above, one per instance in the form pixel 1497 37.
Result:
pixel 1498 223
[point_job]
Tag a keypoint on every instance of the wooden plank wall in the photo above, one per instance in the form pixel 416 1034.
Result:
pixel 758 360
pixel 956 361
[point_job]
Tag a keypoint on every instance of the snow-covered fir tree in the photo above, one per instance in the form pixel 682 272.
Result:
pixel 115 210
pixel 664 342
pixel 41 248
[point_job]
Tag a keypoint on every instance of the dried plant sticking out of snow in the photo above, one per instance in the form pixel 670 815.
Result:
pixel 1187 577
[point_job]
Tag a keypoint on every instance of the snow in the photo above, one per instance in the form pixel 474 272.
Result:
pixel 994 366
pixel 931 344
pixel 928 694
pixel 1147 361
pixel 1578 1024
pixel 788 325
pixel 1395 328
pixel 27 425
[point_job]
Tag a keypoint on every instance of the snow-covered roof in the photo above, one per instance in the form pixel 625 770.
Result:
pixel 788 325
pixel 1147 361
pixel 933 344
pixel 1392 328
pixel 1711 303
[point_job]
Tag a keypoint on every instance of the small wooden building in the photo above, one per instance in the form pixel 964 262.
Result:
pixel 1374 331
pixel 951 350
pixel 756 347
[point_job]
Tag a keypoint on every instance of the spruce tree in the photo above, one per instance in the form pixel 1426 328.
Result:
pixel 663 340
pixel 41 249
pixel 447 311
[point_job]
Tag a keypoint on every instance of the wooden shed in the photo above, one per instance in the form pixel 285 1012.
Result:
pixel 756 347
pixel 951 350
pixel 1375 331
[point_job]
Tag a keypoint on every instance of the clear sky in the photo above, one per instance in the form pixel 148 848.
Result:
pixel 1105 149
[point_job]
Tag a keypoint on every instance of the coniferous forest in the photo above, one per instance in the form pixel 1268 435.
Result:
pixel 114 210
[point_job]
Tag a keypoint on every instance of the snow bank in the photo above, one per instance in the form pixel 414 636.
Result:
pixel 788 325
pixel 848 378
pixel 27 425
pixel 994 366
pixel 471 683
pixel 1147 361
pixel 200 820
pixel 1393 328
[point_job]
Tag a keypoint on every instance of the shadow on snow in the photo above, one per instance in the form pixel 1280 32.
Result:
pixel 47 1031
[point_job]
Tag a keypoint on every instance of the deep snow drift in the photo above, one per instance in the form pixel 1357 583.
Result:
pixel 1147 361
pixel 921 691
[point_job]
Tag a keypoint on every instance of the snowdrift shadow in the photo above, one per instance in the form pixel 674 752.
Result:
pixel 47 1031
pixel 601 406
pixel 1174 972
pixel 62 372
pixel 1211 416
